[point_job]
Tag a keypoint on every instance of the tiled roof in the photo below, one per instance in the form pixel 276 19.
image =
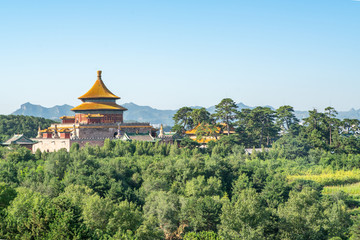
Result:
pixel 18 139
pixel 99 90
pixel 206 139
pixel 64 130
pixel 67 117
pixel 139 137
pixel 218 129
pixel 48 130
pixel 98 106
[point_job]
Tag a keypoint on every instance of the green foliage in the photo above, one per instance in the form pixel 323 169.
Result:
pixel 331 178
pixel 136 190
pixel 16 124
pixel 204 235
pixel 286 119
pixel 307 216
pixel 201 213
pixel 183 120
pixel 226 112
pixel 244 218
pixel 7 194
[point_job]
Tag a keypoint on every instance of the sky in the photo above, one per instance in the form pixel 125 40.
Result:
pixel 170 54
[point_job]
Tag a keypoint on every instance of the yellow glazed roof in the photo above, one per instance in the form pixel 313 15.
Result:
pixel 98 106
pixel 64 130
pixel 67 117
pixel 194 130
pixel 99 90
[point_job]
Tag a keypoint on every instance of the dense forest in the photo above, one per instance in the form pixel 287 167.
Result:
pixel 16 124
pixel 304 183
pixel 140 190
pixel 262 127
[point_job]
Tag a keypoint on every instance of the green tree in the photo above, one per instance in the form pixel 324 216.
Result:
pixel 183 120
pixel 201 213
pixel 316 129
pixel 7 194
pixel 165 208
pixel 204 235
pixel 199 116
pixel 226 111
pixel 29 215
pixel 286 118
pixel 331 113
pixel 260 124
pixel 337 218
pixel 206 130
pixel 302 216
pixel 350 126
pixel 244 218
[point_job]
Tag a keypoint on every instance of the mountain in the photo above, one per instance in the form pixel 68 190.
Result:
pixel 148 114
pixel 134 113
pixel 145 113
pixel 28 109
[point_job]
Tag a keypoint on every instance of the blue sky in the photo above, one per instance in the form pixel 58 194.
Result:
pixel 169 54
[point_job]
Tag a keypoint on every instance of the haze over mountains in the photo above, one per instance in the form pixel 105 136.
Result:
pixel 143 113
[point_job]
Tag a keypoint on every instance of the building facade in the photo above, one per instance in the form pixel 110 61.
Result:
pixel 97 118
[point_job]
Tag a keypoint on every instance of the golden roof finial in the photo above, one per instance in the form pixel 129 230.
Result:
pixel 99 90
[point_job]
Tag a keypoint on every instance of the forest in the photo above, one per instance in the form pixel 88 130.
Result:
pixel 16 124
pixel 302 183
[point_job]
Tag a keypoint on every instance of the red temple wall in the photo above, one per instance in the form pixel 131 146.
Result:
pixel 108 118
pixel 47 135
pixel 64 135
pixel 68 120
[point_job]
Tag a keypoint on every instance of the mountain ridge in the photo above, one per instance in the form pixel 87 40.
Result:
pixel 144 113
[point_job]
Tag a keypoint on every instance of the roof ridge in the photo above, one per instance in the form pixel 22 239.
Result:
pixel 99 90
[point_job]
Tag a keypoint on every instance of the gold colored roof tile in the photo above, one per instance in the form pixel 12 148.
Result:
pixel 99 90
pixel 67 117
pixel 64 130
pixel 98 106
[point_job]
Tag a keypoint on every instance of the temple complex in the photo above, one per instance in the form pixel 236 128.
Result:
pixel 97 118
pixel 209 133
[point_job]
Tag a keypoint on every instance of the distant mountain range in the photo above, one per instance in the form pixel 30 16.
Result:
pixel 134 113
pixel 143 113
pixel 53 113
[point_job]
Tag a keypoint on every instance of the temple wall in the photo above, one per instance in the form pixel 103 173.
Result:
pixel 140 129
pixel 91 142
pixel 93 133
pixel 50 144
pixel 107 117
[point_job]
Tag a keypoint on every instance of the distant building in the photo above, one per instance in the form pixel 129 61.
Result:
pixel 21 140
pixel 97 118
pixel 168 137
pixel 210 133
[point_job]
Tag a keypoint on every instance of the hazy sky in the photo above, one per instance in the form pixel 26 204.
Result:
pixel 168 54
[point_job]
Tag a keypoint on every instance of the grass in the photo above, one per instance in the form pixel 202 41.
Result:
pixel 331 178
pixel 352 189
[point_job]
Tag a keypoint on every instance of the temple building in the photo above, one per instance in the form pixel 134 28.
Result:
pixel 209 133
pixel 97 118
pixel 19 139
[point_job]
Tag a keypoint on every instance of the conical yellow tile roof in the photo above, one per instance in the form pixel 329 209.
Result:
pixel 98 106
pixel 99 90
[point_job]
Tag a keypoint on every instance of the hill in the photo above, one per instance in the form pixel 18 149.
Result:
pixel 27 125
pixel 28 109
pixel 144 113
pixel 148 114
